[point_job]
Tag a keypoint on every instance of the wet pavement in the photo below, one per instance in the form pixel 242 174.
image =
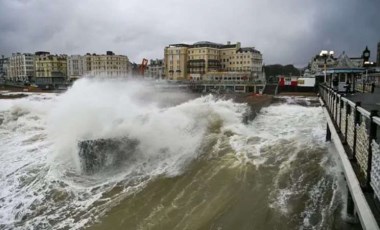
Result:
pixel 369 101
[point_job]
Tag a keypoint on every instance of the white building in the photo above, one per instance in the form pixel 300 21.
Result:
pixel 76 66
pixel 317 63
pixel 20 67
pixel 156 69
pixel 107 65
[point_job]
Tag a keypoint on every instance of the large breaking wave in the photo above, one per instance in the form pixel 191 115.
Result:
pixel 44 131
pixel 49 140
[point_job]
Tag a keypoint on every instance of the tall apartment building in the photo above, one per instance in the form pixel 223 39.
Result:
pixel 76 66
pixel 48 65
pixel 20 67
pixel 109 65
pixel 176 61
pixel 156 69
pixel 50 70
pixel 183 61
pixel 3 66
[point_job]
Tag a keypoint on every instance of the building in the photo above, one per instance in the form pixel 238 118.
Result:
pixel 76 67
pixel 48 65
pixel 107 65
pixel 317 63
pixel 50 70
pixel 3 66
pixel 201 59
pixel 20 67
pixel 156 69
pixel 176 61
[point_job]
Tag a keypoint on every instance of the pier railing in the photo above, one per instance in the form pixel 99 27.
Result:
pixel 359 130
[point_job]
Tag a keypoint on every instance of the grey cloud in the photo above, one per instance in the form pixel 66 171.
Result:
pixel 285 32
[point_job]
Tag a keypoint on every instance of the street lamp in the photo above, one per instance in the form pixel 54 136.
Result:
pixel 325 54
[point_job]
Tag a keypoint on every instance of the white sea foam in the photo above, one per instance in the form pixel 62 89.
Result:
pixel 275 124
pixel 41 133
pixel 42 185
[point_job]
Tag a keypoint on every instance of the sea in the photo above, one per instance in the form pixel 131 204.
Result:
pixel 189 162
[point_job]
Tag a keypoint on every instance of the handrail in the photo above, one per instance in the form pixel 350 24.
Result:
pixel 359 137
pixel 376 120
pixel 366 217
pixel 364 112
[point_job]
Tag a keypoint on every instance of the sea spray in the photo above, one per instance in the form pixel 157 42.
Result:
pixel 94 109
pixel 195 161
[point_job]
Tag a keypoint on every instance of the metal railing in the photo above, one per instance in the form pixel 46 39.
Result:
pixel 228 82
pixel 359 129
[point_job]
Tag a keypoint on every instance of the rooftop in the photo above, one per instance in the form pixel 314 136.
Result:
pixel 206 44
pixel 248 49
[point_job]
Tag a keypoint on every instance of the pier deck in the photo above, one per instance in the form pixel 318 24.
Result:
pixel 369 101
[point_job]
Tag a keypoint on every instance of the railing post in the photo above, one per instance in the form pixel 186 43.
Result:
pixel 356 121
pixel 328 133
pixel 372 87
pixel 346 123
pixel 330 104
pixel 350 204
pixel 372 136
pixel 331 98
pixel 340 113
pixel 334 106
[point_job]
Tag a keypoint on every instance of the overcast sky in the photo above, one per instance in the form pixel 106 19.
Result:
pixel 286 32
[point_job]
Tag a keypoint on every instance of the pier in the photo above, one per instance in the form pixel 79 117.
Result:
pixel 353 124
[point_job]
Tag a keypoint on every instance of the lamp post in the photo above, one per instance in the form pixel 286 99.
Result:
pixel 325 54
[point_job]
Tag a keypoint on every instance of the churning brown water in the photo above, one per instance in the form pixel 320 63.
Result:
pixel 196 166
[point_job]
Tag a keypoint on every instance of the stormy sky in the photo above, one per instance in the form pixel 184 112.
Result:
pixel 286 32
